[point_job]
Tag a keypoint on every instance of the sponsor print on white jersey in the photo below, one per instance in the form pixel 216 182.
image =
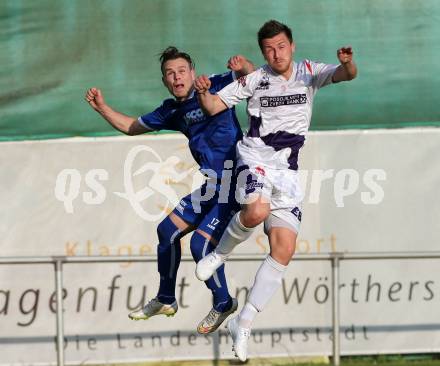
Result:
pixel 279 111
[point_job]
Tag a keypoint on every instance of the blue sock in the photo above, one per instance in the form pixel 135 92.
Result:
pixel 222 301
pixel 168 260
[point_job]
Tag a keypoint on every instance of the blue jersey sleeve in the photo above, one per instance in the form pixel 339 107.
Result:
pixel 158 119
pixel 218 82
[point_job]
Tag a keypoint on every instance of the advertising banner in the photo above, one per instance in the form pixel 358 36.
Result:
pixel 363 191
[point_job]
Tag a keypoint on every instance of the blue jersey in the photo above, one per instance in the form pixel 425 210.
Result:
pixel 212 139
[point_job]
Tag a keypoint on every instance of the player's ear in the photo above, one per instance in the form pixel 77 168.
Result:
pixel 193 74
pixel 293 46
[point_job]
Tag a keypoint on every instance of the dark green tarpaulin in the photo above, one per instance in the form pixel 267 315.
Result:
pixel 53 50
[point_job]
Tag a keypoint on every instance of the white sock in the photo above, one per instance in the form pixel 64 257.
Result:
pixel 267 281
pixel 234 234
pixel 247 315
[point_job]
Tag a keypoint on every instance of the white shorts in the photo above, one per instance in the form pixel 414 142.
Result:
pixel 280 187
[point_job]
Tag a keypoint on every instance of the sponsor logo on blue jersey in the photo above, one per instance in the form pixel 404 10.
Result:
pixel 181 206
pixel 194 116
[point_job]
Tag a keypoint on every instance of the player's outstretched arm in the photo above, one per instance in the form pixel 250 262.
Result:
pixel 210 103
pixel 240 65
pixel 347 70
pixel 121 122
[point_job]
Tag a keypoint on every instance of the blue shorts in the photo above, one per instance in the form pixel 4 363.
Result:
pixel 209 215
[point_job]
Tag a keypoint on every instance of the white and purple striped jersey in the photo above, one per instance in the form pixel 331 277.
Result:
pixel 279 111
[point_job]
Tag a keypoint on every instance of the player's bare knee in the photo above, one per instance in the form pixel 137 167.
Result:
pixel 180 223
pixel 290 250
pixel 285 247
pixel 253 217
pixel 281 255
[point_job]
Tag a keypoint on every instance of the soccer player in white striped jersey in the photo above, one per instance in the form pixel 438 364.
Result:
pixel 279 104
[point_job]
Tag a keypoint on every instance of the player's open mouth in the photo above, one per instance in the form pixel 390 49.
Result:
pixel 179 86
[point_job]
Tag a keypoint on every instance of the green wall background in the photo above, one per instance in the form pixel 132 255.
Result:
pixel 53 50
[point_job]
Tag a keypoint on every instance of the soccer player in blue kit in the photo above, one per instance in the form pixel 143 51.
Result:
pixel 212 143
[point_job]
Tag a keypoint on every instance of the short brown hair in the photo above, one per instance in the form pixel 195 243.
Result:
pixel 172 53
pixel 271 29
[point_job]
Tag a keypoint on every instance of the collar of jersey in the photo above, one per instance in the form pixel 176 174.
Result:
pixel 280 77
pixel 186 100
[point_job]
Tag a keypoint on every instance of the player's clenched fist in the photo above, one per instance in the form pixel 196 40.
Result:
pixel 236 63
pixel 95 98
pixel 345 55
pixel 202 84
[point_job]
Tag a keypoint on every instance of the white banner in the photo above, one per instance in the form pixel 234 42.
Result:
pixel 364 191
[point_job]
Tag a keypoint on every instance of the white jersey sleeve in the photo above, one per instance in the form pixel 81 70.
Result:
pixel 321 73
pixel 240 89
